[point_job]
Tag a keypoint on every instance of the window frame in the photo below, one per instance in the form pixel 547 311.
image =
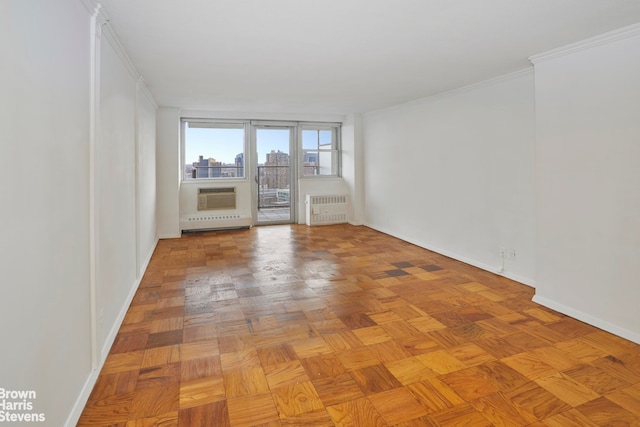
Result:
pixel 229 124
pixel 336 130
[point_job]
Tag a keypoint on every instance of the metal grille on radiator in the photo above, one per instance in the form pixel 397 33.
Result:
pixel 326 209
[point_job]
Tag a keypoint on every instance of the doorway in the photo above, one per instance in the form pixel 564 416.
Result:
pixel 274 177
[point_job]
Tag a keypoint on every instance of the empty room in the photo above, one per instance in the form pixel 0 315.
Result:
pixel 335 213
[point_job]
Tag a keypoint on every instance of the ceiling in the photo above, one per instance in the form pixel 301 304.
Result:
pixel 341 56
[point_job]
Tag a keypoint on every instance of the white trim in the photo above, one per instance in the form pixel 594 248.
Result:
pixel 90 5
pixel 467 88
pixel 81 401
pixel 214 182
pixel 273 124
pixel 111 337
pixel 136 170
pixel 587 318
pixel 83 397
pixel 113 40
pixel 251 166
pixel 491 269
pixel 169 236
pixel 606 38
pixel 239 115
pixel 145 91
pixel 94 118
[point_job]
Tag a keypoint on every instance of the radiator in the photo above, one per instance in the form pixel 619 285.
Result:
pixel 326 209
pixel 216 221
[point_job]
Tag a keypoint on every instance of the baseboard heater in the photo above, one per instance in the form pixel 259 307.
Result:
pixel 326 209
pixel 215 221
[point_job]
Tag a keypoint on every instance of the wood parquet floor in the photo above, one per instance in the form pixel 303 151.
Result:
pixel 346 326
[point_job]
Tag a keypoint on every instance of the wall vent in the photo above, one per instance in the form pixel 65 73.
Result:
pixel 216 198
pixel 326 209
pixel 213 221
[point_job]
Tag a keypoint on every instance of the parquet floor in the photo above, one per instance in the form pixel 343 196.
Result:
pixel 341 325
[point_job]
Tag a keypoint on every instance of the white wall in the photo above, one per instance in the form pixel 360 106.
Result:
pixel 588 182
pixel 455 173
pixel 168 171
pixel 72 119
pixel 115 188
pixel 353 166
pixel 44 188
pixel 125 185
pixel 146 177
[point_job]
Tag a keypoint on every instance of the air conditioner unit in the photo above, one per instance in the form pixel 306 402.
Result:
pixel 216 198
pixel 326 209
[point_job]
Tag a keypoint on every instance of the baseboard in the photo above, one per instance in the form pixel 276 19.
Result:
pixel 82 399
pixel 490 268
pixel 587 318
pixel 111 337
pixel 169 236
pixel 147 260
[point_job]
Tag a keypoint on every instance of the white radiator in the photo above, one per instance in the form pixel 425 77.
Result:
pixel 216 221
pixel 326 209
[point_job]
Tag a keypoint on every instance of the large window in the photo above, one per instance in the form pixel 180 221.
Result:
pixel 320 150
pixel 213 150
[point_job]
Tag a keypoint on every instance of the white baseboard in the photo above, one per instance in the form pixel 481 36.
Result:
pixel 587 318
pixel 82 399
pixel 111 336
pixel 169 236
pixel 490 268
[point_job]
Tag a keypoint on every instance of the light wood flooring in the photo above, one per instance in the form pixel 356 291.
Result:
pixel 346 326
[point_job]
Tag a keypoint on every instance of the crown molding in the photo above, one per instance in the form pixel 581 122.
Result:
pixel 142 87
pixel 92 6
pixel 112 38
pixel 602 39
pixel 103 27
pixel 462 89
pixel 483 83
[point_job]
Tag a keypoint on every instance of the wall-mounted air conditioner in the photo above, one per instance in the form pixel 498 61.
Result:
pixel 216 198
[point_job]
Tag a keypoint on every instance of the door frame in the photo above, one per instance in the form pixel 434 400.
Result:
pixel 293 168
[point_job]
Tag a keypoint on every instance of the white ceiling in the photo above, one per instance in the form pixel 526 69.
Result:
pixel 341 56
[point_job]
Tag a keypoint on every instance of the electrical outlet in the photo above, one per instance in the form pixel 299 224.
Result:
pixel 511 254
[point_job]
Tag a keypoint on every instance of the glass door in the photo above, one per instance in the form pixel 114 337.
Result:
pixel 274 183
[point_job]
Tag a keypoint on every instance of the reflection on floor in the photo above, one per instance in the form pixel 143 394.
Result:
pixel 274 214
pixel 290 325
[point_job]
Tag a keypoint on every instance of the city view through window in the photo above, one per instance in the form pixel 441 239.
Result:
pixel 216 151
pixel 213 151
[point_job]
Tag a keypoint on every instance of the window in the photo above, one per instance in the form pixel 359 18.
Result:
pixel 320 150
pixel 213 150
